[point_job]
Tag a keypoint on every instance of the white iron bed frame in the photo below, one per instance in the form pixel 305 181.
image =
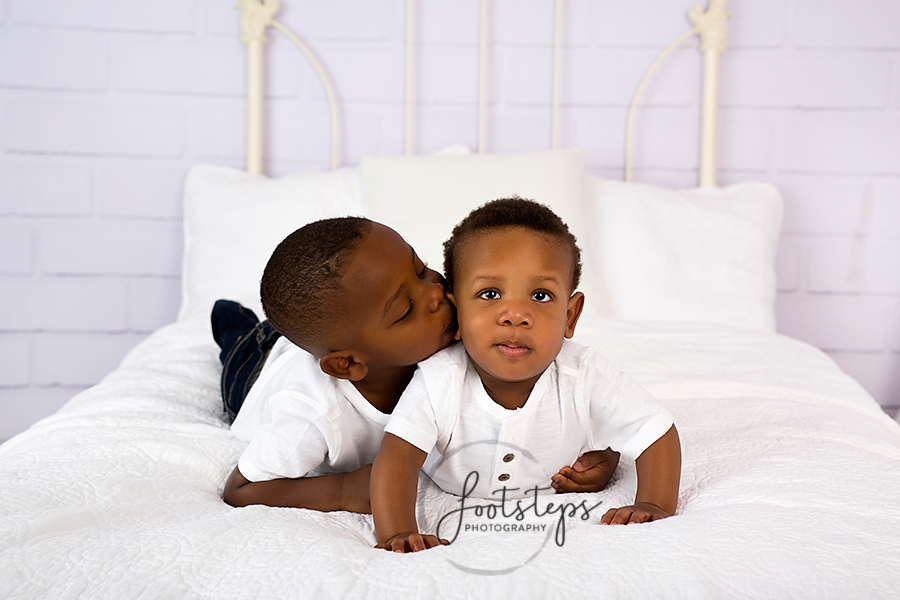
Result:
pixel 710 24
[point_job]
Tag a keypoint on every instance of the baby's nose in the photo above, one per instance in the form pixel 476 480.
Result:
pixel 515 313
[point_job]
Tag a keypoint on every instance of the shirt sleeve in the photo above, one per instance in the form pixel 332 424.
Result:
pixel 414 418
pixel 624 416
pixel 291 444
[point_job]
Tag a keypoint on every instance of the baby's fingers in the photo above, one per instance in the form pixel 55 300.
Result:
pixel 431 541
pixel 398 545
pixel 392 545
pixel 639 516
pixel 641 512
pixel 417 543
pixel 404 543
pixel 617 516
pixel 624 516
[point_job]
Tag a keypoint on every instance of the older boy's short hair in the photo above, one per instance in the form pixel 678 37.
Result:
pixel 299 281
pixel 510 212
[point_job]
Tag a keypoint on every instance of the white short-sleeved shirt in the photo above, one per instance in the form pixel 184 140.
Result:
pixel 300 421
pixel 580 403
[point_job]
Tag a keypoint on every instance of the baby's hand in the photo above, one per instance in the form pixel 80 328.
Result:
pixel 639 512
pixel 590 473
pixel 411 542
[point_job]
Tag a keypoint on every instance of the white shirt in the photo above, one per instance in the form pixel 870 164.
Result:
pixel 580 403
pixel 300 421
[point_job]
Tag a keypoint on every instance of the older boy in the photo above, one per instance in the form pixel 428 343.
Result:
pixel 361 310
pixel 518 395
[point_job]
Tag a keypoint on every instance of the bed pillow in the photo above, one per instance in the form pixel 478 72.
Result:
pixel 233 221
pixel 424 197
pixel 700 255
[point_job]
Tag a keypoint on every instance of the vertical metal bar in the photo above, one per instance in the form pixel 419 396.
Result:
pixel 255 119
pixel 554 134
pixel 482 73
pixel 407 145
pixel 712 26
pixel 709 107
pixel 256 16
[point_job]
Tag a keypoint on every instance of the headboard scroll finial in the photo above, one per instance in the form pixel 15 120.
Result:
pixel 711 25
pixel 256 15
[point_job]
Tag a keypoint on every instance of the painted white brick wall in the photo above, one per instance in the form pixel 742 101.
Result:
pixel 45 189
pixel 164 16
pixel 828 24
pixel 104 105
pixel 70 61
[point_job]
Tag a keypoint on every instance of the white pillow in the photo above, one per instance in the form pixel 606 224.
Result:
pixel 702 255
pixel 424 197
pixel 233 221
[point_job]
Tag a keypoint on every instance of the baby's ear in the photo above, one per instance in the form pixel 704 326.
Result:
pixel 573 311
pixel 452 299
pixel 343 364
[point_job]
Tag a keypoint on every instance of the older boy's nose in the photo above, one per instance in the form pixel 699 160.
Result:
pixel 434 295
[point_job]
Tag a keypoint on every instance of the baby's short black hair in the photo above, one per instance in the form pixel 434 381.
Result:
pixel 302 275
pixel 510 212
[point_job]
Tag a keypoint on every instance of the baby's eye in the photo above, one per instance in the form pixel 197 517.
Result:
pixel 541 296
pixel 489 295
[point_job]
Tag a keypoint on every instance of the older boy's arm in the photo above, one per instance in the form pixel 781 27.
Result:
pixel 659 474
pixel 395 476
pixel 339 491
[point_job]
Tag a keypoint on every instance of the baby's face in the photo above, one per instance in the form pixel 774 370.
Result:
pixel 396 313
pixel 513 302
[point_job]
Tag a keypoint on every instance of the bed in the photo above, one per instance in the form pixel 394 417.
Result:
pixel 791 471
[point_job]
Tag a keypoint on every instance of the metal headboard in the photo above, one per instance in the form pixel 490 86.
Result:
pixel 710 24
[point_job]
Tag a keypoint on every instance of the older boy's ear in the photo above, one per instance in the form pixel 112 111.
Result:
pixel 343 365
pixel 573 311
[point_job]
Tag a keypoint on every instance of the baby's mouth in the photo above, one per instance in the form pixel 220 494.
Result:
pixel 512 349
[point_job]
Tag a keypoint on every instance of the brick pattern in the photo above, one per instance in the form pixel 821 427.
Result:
pixel 104 105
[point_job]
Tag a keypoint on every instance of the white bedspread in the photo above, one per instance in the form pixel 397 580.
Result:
pixel 790 489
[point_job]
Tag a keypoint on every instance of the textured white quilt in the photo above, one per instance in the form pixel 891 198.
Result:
pixel 790 489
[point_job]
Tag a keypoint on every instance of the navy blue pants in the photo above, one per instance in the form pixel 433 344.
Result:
pixel 245 343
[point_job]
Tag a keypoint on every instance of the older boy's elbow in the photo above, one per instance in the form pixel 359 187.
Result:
pixel 232 494
pixel 233 499
pixel 230 500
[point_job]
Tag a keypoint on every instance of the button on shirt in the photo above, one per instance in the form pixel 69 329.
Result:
pixel 579 403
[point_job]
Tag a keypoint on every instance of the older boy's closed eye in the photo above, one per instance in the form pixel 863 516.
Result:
pixel 361 310
pixel 513 268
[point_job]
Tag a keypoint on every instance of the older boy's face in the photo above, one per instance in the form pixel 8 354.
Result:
pixel 395 307
pixel 512 295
